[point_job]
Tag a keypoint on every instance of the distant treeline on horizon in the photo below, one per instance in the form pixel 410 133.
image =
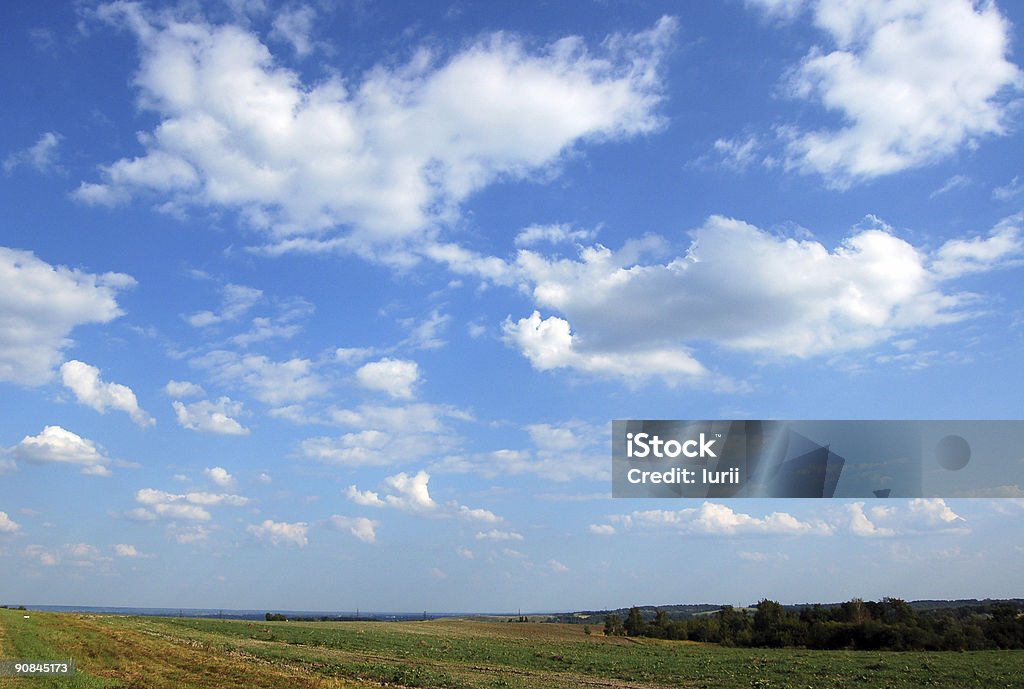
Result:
pixel 890 624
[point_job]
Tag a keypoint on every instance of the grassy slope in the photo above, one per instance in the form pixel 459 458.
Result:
pixel 460 654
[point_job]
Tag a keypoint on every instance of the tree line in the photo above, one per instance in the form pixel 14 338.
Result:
pixel 890 624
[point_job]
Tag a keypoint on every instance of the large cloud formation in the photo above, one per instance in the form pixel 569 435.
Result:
pixel 386 155
pixel 737 286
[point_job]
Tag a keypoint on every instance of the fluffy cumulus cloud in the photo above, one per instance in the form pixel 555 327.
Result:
pixel 236 300
pixel 396 377
pixel 89 389
pixel 626 314
pixel 360 161
pixel 362 528
pixel 56 445
pixel 920 515
pixel 209 416
pixel 40 305
pixel 412 494
pixel 281 533
pixel 861 524
pixel 912 82
pixel 221 476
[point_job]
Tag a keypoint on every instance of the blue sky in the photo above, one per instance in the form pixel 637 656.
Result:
pixel 330 306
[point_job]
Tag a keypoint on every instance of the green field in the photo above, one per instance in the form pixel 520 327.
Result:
pixel 138 652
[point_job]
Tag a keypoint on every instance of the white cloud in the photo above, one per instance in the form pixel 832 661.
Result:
pixel 129 551
pixel 560 452
pixel 951 184
pixel 426 334
pixel 55 445
pixel 220 476
pixel 188 506
pixel 266 329
pixel 183 388
pixel 396 377
pixel 191 534
pixel 362 528
pixel 40 305
pixel 214 499
pixel 738 154
pixel 786 9
pixel 412 494
pixel 934 511
pixel 279 533
pixel 388 155
pixel 602 529
pixel 366 498
pixel 920 515
pixel 180 511
pixel 236 300
pixel 273 382
pixel 551 234
pixel 353 355
pixel 862 526
pixel 478 514
pixel 1004 244
pixel 295 26
pixel 550 344
pixel 409 492
pixel 913 81
pixel 73 554
pixel 497 535
pixel 1010 190
pixel 626 315
pixel 465 553
pixel 140 514
pixel 83 551
pixel 8 525
pixel 211 417
pixel 716 519
pixel 41 156
pixel 557 566
pixel 365 448
pixel 386 435
pixel 47 558
pixel 84 380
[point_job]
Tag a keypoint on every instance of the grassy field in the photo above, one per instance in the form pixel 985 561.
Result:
pixel 137 652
